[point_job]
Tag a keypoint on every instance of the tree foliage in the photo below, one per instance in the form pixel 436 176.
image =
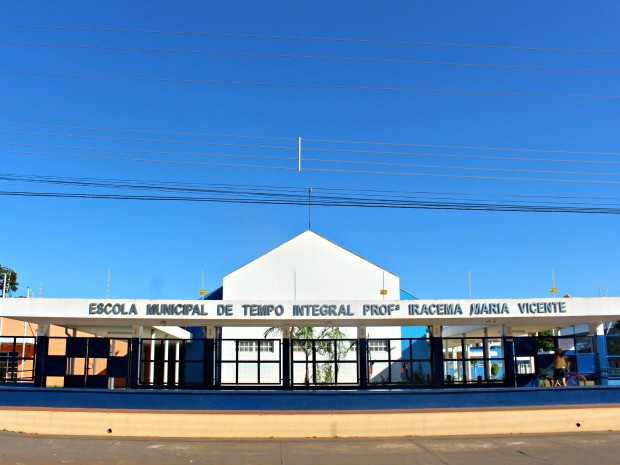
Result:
pixel 546 341
pixel 303 336
pixel 11 277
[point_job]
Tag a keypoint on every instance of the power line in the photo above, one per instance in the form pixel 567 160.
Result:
pixel 312 39
pixel 303 190
pixel 255 191
pixel 179 162
pixel 309 85
pixel 151 131
pixel 450 155
pixel 147 152
pixel 467 194
pixel 451 167
pixel 344 203
pixel 294 139
pixel 137 139
pixel 497 178
pixel 146 160
pixel 310 57
pixel 307 149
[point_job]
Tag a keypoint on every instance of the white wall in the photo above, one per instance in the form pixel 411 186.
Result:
pixel 310 267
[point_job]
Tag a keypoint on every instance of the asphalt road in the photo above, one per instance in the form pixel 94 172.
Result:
pixel 564 449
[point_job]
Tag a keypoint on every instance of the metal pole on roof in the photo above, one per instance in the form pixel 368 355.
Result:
pixel 309 205
pixel 107 293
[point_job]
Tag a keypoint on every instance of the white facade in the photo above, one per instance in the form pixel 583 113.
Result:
pixel 308 267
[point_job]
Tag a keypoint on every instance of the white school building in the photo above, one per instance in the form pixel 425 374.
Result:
pixel 308 281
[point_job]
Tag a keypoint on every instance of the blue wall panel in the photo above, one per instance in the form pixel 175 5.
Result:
pixel 307 400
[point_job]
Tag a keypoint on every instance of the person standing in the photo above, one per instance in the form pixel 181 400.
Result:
pixel 560 366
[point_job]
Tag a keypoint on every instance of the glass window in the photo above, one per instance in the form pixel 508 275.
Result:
pixel 613 345
pixel 614 366
pixel 378 346
pixel 583 344
pixel 250 346
pixel 8 366
pixel 494 348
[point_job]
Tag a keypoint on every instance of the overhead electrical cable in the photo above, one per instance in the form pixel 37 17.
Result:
pixel 294 139
pixel 303 85
pixel 497 178
pixel 359 152
pixel 331 58
pixel 467 147
pixel 148 160
pixel 148 152
pixel 452 167
pixel 179 162
pixel 451 155
pixel 312 39
pixel 409 205
pixel 304 190
pixel 150 131
pixel 256 191
pixel 138 139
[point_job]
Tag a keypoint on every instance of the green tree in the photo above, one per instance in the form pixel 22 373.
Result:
pixel 546 340
pixel 11 277
pixel 303 336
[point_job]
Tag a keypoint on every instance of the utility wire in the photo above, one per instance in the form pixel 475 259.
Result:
pixel 302 85
pixel 498 178
pixel 318 160
pixel 355 152
pixel 309 57
pixel 467 147
pixel 179 162
pixel 294 139
pixel 344 203
pixel 304 190
pixel 146 160
pixel 150 131
pixel 451 155
pixel 149 152
pixel 292 193
pixel 311 39
pixel 451 167
pixel 138 139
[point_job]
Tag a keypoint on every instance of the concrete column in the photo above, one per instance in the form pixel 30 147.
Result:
pixel 509 356
pixel 166 361
pixel 210 333
pixel 597 331
pixel 111 353
pixel 43 330
pixel 436 343
pixel 152 358
pixel 286 358
pixel 177 358
pixel 134 357
pixel 362 356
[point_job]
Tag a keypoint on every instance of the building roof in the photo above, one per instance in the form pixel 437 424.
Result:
pixel 306 233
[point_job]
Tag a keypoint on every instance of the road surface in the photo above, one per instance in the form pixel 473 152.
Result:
pixel 564 449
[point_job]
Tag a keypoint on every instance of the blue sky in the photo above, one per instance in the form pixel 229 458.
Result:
pixel 158 250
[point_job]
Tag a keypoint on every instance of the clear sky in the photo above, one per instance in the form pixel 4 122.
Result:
pixel 157 249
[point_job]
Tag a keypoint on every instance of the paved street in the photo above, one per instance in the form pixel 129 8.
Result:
pixel 564 449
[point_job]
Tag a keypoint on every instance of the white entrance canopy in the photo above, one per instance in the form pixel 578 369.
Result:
pixel 91 313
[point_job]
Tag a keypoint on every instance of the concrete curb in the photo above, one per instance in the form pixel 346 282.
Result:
pixel 257 424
